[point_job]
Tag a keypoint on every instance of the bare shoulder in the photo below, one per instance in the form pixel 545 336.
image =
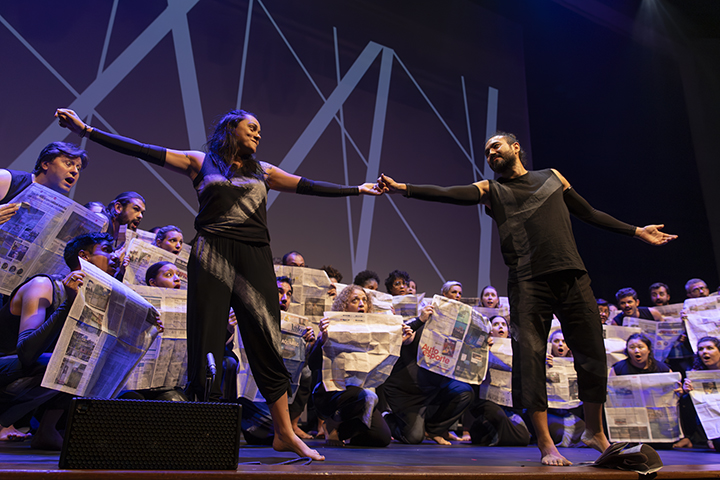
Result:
pixel 5 181
pixel 40 287
pixel 564 181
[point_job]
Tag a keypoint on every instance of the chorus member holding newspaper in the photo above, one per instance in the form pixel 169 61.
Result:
pixel 231 261
pixel 707 358
pixel 546 276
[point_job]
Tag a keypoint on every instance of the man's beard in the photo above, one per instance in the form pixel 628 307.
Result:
pixel 504 162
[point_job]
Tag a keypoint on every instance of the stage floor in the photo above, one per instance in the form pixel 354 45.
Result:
pixel 18 461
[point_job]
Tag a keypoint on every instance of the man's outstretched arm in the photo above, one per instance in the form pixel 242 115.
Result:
pixel 472 194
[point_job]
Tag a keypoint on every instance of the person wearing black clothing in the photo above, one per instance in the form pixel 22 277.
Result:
pixel 628 303
pixel 231 264
pixel 546 276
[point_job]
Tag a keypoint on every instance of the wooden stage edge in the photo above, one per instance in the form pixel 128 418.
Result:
pixel 317 471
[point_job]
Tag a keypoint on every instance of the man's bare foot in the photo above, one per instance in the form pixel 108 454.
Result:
pixel 452 436
pixel 301 433
pixel 683 443
pixel 551 456
pixel 12 434
pixel 439 439
pixel 295 445
pixel 598 441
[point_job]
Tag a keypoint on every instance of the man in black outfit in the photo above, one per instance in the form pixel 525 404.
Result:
pixel 546 277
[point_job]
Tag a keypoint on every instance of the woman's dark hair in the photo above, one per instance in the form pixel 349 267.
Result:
pixel 392 276
pixel 364 276
pixel 163 232
pixel 698 364
pixel 224 145
pixel 651 366
pixel 153 270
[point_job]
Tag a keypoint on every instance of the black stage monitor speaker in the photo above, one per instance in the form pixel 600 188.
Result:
pixel 151 435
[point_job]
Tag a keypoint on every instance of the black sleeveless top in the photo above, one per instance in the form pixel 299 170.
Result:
pixel 19 182
pixel 234 208
pixel 534 224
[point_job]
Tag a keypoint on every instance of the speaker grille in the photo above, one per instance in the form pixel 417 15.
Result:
pixel 151 435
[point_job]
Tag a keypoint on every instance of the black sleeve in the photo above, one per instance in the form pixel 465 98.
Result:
pixel 458 195
pixel 33 343
pixel 127 146
pixel 579 207
pixel 324 189
pixel 414 323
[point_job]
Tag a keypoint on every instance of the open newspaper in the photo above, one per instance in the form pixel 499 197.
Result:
pixel 407 306
pixel 141 255
pixel 643 408
pixel 703 318
pixel 561 384
pixel 706 398
pixel 615 338
pixel 165 363
pixel 663 334
pixel 361 349
pixel 497 386
pixel 34 239
pixel 149 237
pixel 454 342
pixel 107 332
pixel 292 328
pixel 310 287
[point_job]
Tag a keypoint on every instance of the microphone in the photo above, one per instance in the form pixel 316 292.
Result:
pixel 211 364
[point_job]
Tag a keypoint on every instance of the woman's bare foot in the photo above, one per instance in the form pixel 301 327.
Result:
pixel 439 439
pixel 12 434
pixel 683 443
pixel 299 431
pixel 295 445
pixel 598 441
pixel 551 456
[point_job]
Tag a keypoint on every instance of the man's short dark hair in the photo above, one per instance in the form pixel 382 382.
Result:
pixel 602 303
pixel 625 292
pixel 691 282
pixel 394 275
pixel 287 255
pixel 85 242
pixel 56 149
pixel 364 276
pixel 123 199
pixel 332 272
pixel 285 279
pixel 658 285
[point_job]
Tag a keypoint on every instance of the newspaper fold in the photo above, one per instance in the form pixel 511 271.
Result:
pixel 706 398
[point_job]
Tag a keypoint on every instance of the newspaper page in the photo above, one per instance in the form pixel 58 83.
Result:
pixel 561 384
pixel 293 351
pixel 165 363
pixel 310 287
pixel 663 334
pixel 107 332
pixel 497 386
pixel 407 306
pixel 34 239
pixel 361 349
pixel 706 398
pixel 454 342
pixel 382 302
pixel 643 408
pixel 141 255
pixel 148 237
pixel 615 338
pixel 673 310
pixel 703 318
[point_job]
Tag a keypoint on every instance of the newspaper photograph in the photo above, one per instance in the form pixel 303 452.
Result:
pixel 706 399
pixel 407 306
pixel 561 384
pixel 293 351
pixel 454 342
pixel 34 239
pixel 615 339
pixel 165 363
pixel 140 255
pixel 643 408
pixel 497 386
pixel 663 334
pixel 361 349
pixel 703 318
pixel 148 237
pixel 107 332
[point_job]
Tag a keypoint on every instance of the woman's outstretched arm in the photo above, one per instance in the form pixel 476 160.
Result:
pixel 187 162
pixel 282 181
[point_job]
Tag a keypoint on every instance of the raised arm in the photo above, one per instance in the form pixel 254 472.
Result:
pixel 472 194
pixel 280 180
pixel 187 162
pixel 579 207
